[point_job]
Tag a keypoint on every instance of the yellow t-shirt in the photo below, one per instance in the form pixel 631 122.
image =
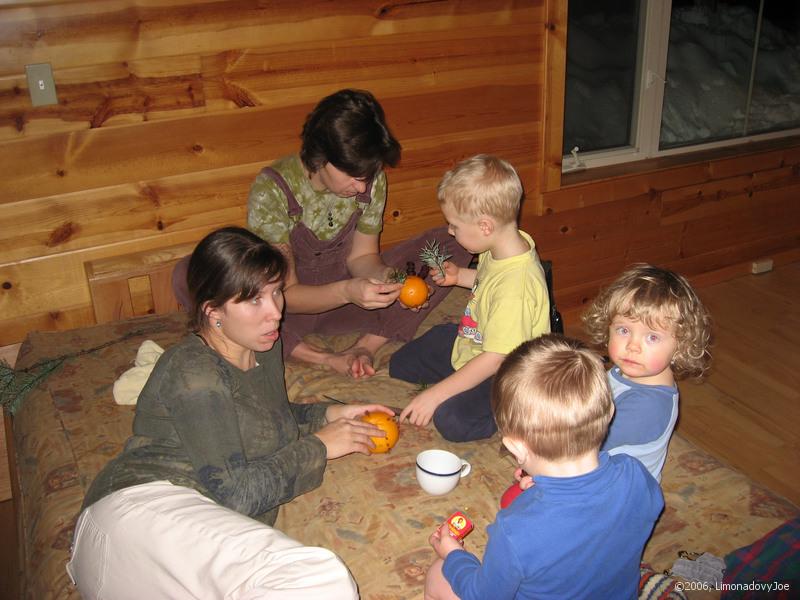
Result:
pixel 508 305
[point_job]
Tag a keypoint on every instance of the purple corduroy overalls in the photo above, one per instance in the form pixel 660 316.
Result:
pixel 319 262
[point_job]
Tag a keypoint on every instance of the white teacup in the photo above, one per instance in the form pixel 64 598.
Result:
pixel 438 471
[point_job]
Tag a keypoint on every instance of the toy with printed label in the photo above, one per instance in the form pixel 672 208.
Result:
pixel 459 525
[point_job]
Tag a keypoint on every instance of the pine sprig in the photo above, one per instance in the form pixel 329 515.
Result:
pixel 433 256
pixel 16 384
pixel 397 276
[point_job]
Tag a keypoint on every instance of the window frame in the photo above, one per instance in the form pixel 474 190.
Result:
pixel 654 20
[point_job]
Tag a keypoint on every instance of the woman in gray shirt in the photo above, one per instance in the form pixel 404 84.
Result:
pixel 216 445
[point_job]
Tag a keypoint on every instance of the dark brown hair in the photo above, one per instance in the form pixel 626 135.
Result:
pixel 231 263
pixel 348 129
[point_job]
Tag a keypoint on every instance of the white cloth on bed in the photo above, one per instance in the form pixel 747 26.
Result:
pixel 131 382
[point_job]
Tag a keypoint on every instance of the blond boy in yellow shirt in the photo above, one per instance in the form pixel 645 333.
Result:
pixel 480 199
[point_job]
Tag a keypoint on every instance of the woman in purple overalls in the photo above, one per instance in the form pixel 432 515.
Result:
pixel 324 209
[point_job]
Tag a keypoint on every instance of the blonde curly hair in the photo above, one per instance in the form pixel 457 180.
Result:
pixel 659 298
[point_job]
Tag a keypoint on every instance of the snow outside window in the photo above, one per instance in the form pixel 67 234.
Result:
pixel 650 78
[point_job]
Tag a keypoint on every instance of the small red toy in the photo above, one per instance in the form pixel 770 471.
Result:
pixel 510 494
pixel 459 525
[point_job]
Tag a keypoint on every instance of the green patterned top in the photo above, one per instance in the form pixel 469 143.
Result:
pixel 231 435
pixel 267 210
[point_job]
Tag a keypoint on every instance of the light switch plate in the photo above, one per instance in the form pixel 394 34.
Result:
pixel 41 85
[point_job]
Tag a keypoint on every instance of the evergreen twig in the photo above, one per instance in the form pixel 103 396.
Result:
pixel 16 384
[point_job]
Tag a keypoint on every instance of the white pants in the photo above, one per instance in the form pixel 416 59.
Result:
pixel 160 541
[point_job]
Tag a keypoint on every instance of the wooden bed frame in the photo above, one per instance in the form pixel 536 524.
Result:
pixel 134 284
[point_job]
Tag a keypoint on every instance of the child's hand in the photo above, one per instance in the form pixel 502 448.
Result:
pixel 525 480
pixel 420 410
pixel 449 277
pixel 443 543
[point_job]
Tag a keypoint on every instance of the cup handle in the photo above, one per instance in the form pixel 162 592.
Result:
pixel 465 468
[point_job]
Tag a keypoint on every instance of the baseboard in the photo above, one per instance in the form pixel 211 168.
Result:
pixel 743 268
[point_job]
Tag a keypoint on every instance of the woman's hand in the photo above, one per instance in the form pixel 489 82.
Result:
pixel 346 432
pixel 442 542
pixel 371 293
pixel 420 410
pixel 449 277
pixel 355 362
pixel 354 411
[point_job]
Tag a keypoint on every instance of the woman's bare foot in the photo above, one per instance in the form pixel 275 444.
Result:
pixel 356 362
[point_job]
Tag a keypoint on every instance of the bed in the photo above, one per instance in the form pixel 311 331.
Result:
pixel 369 509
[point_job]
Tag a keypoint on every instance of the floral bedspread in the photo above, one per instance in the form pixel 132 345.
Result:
pixel 369 510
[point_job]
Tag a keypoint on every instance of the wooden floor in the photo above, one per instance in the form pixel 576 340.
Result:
pixel 747 413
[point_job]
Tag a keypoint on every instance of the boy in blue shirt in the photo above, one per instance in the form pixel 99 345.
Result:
pixel 580 530
pixel 480 199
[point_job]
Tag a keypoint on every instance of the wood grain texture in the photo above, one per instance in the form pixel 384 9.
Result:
pixel 751 395
pixel 168 109
pixel 134 284
pixel 555 80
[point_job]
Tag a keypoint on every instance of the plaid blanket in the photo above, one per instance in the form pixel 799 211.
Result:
pixel 767 568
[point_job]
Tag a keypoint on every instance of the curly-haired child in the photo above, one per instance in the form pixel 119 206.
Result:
pixel 656 330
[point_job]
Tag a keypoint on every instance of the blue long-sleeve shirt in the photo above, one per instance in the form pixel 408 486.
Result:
pixel 643 421
pixel 572 537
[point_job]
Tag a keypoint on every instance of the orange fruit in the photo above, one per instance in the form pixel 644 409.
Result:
pixel 387 424
pixel 414 291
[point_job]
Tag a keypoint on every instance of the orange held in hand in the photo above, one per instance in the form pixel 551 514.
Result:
pixel 414 292
pixel 387 424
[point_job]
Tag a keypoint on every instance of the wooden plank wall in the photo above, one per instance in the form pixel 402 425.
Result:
pixel 713 216
pixel 168 108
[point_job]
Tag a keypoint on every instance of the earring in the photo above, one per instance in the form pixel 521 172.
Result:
pixel 218 323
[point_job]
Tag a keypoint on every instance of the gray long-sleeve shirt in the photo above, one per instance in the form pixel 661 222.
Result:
pixel 232 435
